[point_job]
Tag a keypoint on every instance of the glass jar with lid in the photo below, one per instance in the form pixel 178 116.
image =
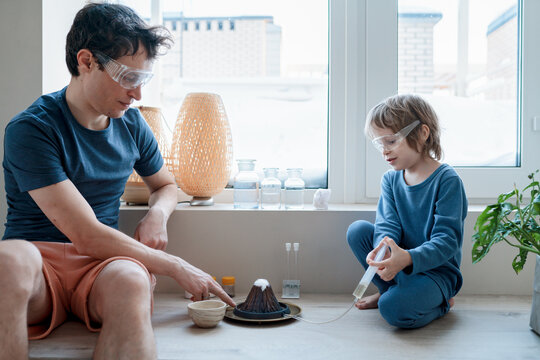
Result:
pixel 246 185
pixel 294 189
pixel 270 189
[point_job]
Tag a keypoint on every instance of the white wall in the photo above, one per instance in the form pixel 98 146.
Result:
pixel 250 245
pixel 20 66
pixel 58 16
pixel 32 61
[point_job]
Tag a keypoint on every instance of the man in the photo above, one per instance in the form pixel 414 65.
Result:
pixel 66 161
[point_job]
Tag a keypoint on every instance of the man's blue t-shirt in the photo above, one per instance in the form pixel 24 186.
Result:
pixel 45 144
pixel 427 220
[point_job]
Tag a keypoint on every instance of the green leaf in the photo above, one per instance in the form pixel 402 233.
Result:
pixel 507 208
pixel 533 184
pixel 509 219
pixel 519 260
pixel 506 196
pixel 482 245
pixel 536 206
pixel 487 213
pixel 536 236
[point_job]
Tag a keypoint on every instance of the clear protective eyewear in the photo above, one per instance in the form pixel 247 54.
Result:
pixel 391 142
pixel 128 77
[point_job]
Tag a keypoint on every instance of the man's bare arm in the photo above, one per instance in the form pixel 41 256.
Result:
pixel 67 209
pixel 152 229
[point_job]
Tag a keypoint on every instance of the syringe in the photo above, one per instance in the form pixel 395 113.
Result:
pixel 368 276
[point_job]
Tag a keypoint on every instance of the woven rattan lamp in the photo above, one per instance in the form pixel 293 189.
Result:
pixel 202 147
pixel 136 191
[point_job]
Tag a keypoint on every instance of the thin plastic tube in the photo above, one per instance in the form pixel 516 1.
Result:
pixel 362 286
pixel 320 322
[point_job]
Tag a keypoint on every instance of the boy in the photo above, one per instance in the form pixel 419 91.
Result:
pixel 420 217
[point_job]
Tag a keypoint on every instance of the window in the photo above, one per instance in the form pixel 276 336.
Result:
pixel 462 56
pixel 271 72
pixel 363 46
pixel 513 138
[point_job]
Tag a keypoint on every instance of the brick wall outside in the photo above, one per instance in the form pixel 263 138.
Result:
pixel 415 56
pixel 250 49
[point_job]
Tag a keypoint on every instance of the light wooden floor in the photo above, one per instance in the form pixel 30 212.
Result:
pixel 479 327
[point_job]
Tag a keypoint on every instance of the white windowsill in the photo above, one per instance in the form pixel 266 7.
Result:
pixel 224 202
pixel 307 208
pixel 229 207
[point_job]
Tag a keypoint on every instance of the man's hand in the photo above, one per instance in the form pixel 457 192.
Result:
pixel 152 229
pixel 199 283
pixel 395 259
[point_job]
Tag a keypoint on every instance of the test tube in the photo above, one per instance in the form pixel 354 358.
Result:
pixel 296 247
pixel 288 248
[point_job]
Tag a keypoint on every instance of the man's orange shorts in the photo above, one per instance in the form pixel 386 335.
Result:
pixel 70 277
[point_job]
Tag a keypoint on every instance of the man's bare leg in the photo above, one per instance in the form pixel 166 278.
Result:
pixel 368 302
pixel 120 300
pixel 25 296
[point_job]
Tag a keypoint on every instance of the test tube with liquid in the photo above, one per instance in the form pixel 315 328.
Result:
pixel 368 275
pixel 291 287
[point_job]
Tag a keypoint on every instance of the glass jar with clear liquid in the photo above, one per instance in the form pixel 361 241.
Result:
pixel 246 185
pixel 294 189
pixel 270 189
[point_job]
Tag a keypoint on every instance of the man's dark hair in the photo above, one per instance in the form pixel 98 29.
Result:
pixel 114 30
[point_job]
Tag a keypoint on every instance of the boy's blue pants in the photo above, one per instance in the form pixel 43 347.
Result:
pixel 407 301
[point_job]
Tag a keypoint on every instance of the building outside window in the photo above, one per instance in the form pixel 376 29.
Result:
pixel 463 57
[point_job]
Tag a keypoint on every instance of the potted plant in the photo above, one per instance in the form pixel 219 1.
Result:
pixel 513 220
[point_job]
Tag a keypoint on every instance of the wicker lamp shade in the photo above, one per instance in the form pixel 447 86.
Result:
pixel 136 191
pixel 202 147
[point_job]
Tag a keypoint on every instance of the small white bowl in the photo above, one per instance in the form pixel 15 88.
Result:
pixel 207 313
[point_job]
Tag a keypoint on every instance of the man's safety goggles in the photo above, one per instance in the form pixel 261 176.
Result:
pixel 128 77
pixel 391 142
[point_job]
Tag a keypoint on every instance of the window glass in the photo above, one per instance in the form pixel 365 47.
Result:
pixel 463 57
pixel 268 60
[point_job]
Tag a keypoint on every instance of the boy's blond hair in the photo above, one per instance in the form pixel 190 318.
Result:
pixel 398 111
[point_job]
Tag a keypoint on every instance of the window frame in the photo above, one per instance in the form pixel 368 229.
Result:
pixel 363 70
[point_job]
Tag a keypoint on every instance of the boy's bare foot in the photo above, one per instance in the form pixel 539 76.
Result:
pixel 451 302
pixel 368 302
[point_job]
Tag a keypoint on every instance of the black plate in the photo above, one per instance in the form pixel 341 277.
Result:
pixel 284 309
pixel 295 310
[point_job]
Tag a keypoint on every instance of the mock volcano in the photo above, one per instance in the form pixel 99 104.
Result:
pixel 261 303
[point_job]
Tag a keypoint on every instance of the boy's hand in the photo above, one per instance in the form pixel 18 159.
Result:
pixel 393 261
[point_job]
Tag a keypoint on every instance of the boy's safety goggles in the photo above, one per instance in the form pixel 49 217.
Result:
pixel 128 77
pixel 391 142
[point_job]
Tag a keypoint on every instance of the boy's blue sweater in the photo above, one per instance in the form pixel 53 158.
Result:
pixel 426 219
